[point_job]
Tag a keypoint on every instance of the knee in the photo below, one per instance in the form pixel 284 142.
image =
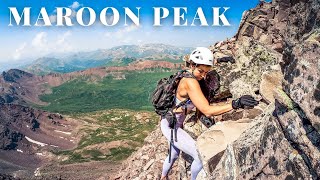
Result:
pixel 174 156
pixel 196 167
pixel 198 162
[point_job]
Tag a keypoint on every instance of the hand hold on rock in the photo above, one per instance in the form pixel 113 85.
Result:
pixel 245 101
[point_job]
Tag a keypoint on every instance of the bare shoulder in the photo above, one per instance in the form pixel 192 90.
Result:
pixel 184 86
pixel 190 82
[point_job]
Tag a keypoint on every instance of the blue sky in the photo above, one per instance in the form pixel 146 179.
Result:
pixel 20 43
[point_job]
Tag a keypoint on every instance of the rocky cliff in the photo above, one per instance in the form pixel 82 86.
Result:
pixel 274 57
pixel 30 135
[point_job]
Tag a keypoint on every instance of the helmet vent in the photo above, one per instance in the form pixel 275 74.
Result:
pixel 202 55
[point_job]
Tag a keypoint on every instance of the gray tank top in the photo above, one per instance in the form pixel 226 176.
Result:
pixel 181 116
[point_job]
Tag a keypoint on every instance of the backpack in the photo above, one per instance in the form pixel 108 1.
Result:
pixel 163 97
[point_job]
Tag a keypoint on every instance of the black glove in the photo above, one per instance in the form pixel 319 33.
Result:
pixel 244 101
pixel 206 121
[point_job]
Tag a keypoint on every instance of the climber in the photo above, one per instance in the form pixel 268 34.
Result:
pixel 200 63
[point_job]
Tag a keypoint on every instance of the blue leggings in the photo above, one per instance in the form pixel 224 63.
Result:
pixel 184 143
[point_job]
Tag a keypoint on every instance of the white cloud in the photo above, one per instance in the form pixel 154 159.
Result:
pixel 123 35
pixel 130 28
pixel 43 44
pixel 75 5
pixel 62 44
pixel 62 38
pixel 19 50
pixel 148 33
pixel 40 40
pixel 73 14
pixel 53 18
pixel 126 40
pixel 108 34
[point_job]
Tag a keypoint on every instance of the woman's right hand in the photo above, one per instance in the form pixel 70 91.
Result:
pixel 244 101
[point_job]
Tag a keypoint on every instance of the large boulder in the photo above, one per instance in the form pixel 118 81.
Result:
pixel 213 143
pixel 261 152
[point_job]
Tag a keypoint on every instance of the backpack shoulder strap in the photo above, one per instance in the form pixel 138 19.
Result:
pixel 187 74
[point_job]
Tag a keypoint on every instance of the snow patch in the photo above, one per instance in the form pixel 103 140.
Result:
pixel 63 132
pixel 36 142
pixel 40 154
pixel 19 150
pixel 37 172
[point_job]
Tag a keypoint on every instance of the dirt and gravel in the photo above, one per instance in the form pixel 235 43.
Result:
pixel 81 171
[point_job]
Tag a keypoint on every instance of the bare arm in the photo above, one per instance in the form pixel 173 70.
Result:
pixel 198 99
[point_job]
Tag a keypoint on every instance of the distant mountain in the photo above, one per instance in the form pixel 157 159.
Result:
pixel 116 56
pixel 46 65
pixel 10 64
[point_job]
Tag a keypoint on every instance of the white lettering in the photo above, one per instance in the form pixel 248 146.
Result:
pixel 80 15
pixel 115 19
pixel 223 18
pixel 134 18
pixel 25 14
pixel 200 15
pixel 157 15
pixel 66 17
pixel 44 16
pixel 178 16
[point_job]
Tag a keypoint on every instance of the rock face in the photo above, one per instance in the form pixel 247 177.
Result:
pixel 19 122
pixel 295 37
pixel 27 135
pixel 273 57
pixel 6 177
pixel 221 135
pixel 261 152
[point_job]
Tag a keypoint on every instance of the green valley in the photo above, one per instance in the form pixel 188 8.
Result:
pixel 115 111
pixel 83 95
pixel 110 135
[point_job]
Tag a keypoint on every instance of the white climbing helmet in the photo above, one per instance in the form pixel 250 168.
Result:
pixel 202 55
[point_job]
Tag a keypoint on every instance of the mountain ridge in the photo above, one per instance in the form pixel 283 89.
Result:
pixel 22 87
pixel 105 57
